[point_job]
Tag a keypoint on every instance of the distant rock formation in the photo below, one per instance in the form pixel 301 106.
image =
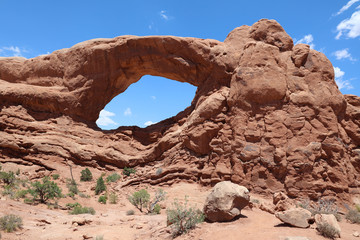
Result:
pixel 267 115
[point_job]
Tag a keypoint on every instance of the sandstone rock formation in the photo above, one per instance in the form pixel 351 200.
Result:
pixel 297 217
pixel 225 202
pixel 267 115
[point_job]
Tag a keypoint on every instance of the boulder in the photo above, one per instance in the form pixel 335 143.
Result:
pixel 329 219
pixel 225 202
pixel 297 217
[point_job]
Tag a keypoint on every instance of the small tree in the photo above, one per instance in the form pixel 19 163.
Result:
pixel 86 175
pixel 45 190
pixel 72 186
pixel 140 199
pixel 100 186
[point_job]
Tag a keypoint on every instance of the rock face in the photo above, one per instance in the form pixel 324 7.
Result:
pixel 267 115
pixel 225 202
pixel 297 217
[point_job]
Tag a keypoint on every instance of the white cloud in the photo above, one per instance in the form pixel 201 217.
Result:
pixel 11 51
pixel 128 112
pixel 347 6
pixel 153 97
pixel 307 39
pixel 163 15
pixel 350 26
pixel 105 118
pixel 148 123
pixel 343 54
pixel 342 84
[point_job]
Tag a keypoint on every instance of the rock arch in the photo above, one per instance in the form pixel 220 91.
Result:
pixel 267 114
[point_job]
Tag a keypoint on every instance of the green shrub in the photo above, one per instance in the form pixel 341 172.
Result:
pixel 182 218
pixel 7 177
pixel 157 209
pixel 128 171
pixel 10 223
pixel 72 186
pixel 357 207
pixel 102 199
pixel 100 186
pixel 113 177
pixel 83 195
pixel 140 199
pixel 55 176
pixel 44 191
pixel 72 205
pixel 86 175
pixel 21 193
pixel 130 212
pixel 327 230
pixel 353 216
pixel 113 198
pixel 18 172
pixel 9 190
pixel 82 210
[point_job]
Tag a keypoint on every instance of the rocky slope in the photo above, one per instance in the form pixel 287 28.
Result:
pixel 267 114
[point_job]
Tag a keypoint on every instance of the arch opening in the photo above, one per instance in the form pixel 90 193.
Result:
pixel 146 102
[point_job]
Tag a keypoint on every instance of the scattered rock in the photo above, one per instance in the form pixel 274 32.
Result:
pixel 356 234
pixel 297 217
pixel 329 219
pixel 267 207
pixel 225 202
pixel 85 236
pixel 80 221
pixel 281 202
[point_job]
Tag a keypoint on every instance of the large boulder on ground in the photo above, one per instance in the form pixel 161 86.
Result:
pixel 297 217
pixel 328 219
pixel 225 202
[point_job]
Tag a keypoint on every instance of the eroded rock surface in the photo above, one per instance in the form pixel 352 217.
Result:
pixel 267 115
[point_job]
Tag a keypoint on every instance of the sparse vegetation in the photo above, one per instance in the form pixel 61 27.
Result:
pixel 7 178
pixel 156 209
pixel 100 186
pixel 182 218
pixel 73 205
pixel 44 191
pixel 86 175
pixel 72 187
pixel 21 193
pixel 55 176
pixel 130 212
pixel 323 206
pixel 113 198
pixel 353 215
pixel 10 223
pixel 128 171
pixel 99 238
pixel 159 171
pixel 102 199
pixel 78 209
pixel 327 230
pixel 113 177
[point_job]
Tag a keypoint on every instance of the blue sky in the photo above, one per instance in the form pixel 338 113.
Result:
pixel 32 28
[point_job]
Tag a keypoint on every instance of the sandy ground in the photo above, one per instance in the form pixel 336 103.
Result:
pixel 111 221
